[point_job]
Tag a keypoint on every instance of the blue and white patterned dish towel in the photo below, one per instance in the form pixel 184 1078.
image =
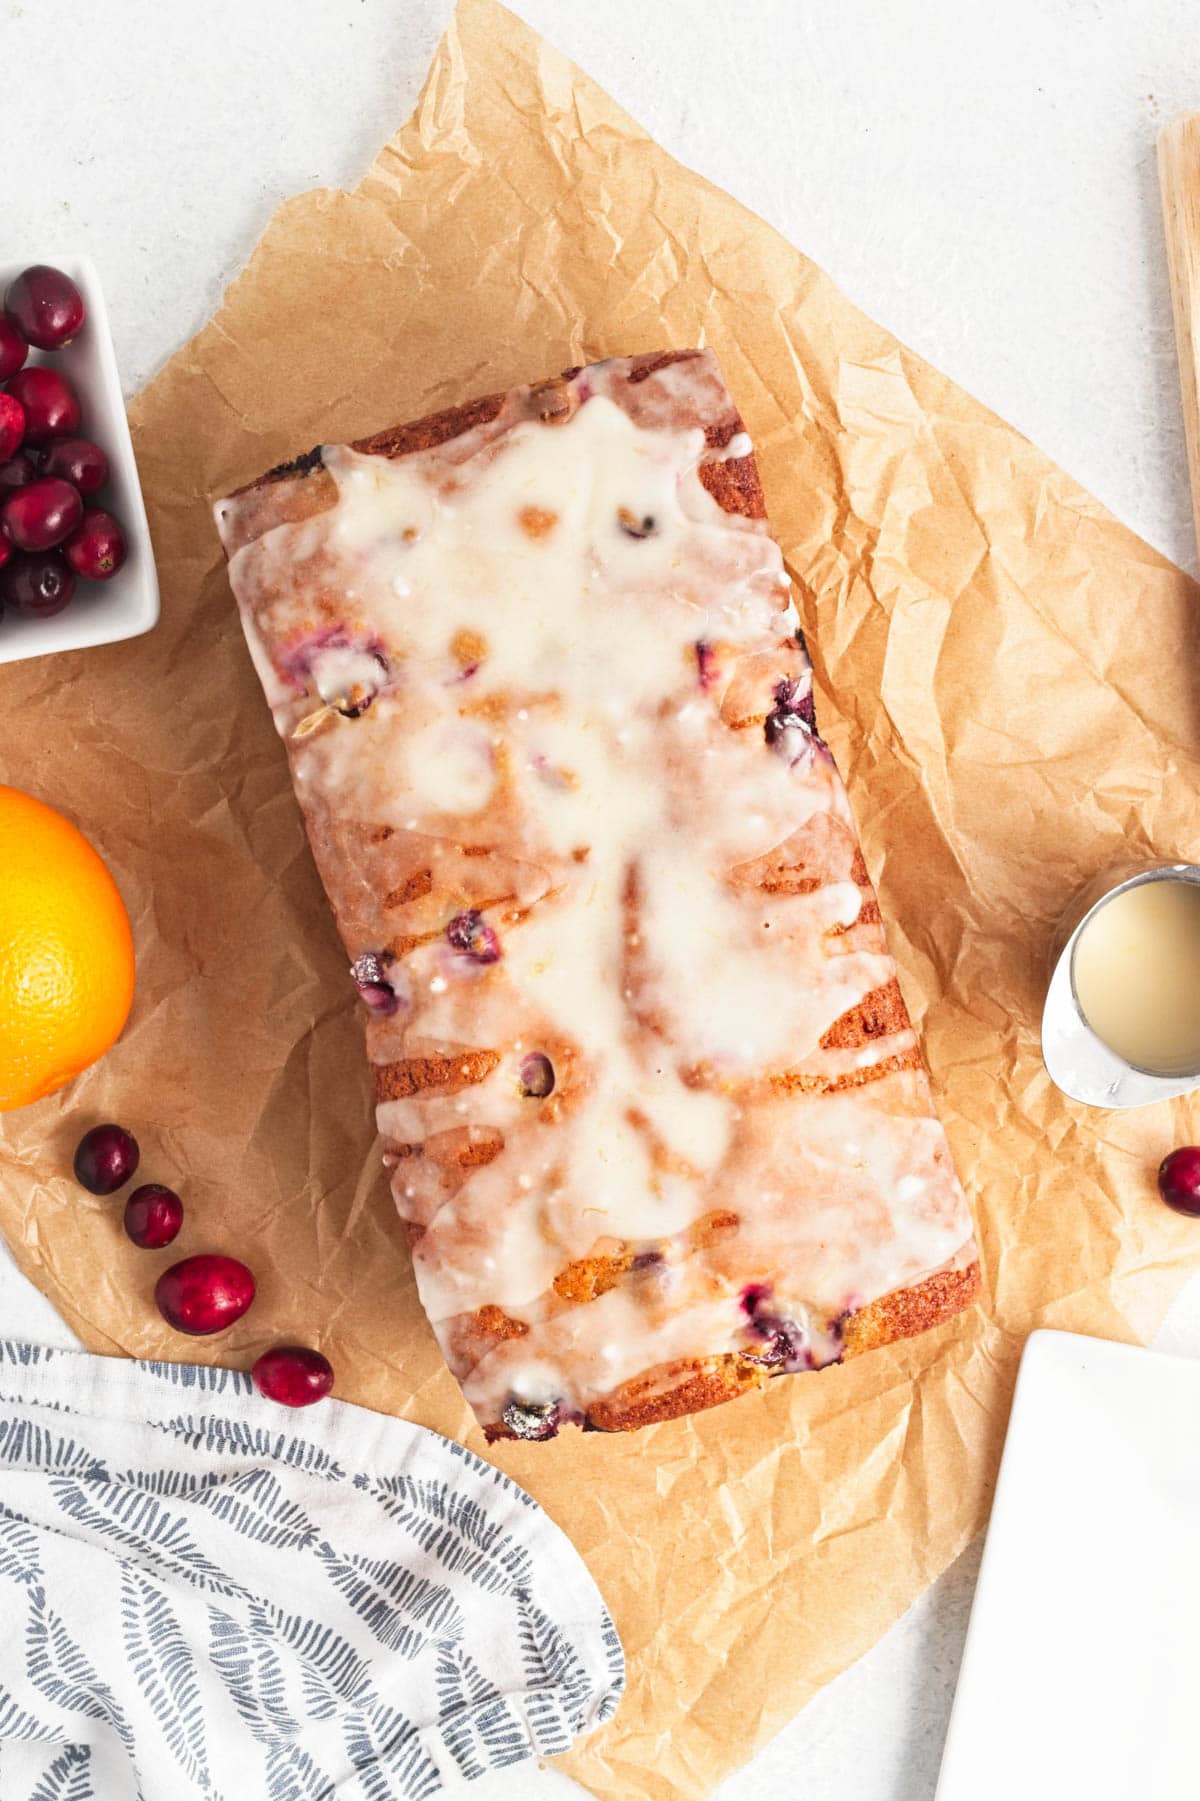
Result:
pixel 204 1595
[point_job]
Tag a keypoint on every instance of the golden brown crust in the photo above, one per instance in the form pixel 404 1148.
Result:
pixel 301 488
pixel 674 1389
pixel 472 1335
pixel 263 503
pixel 589 1277
pixel 801 1081
pixel 879 1014
pixel 498 1326
pixel 649 363
pixel 434 429
pixel 735 486
pixel 276 500
pixel 910 1311
pixel 413 1075
pixel 395 441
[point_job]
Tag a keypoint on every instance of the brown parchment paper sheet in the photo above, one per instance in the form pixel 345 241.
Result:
pixel 1006 677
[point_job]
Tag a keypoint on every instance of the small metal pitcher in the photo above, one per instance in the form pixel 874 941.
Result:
pixel 1079 1062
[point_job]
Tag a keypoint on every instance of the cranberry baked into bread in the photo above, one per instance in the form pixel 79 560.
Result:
pixel 653 1108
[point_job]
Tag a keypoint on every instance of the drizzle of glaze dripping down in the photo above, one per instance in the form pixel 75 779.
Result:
pixel 596 752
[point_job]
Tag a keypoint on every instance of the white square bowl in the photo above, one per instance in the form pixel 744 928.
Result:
pixel 127 604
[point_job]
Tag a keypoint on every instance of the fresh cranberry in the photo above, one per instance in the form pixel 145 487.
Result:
pixel 18 472
pixel 470 933
pixel 534 1420
pixel 42 515
pixel 45 306
pixel 12 426
pixel 790 727
pixel 793 706
pixel 346 670
pixel 50 403
pixel 374 989
pixel 537 1076
pixel 38 584
pixel 96 548
pixel 784 731
pixel 105 1159
pixel 153 1216
pixel 51 408
pixel 78 461
pixel 13 348
pixel 753 1296
pixel 204 1294
pixel 293 1375
pixel 779 1342
pixel 1179 1180
pixel 7 553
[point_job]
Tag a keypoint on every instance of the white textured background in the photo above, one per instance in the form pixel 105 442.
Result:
pixel 978 175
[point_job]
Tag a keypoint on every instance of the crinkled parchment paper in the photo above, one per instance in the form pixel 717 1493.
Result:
pixel 1006 676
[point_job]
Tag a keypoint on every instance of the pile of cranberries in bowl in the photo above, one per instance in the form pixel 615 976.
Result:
pixel 52 532
pixel 201 1294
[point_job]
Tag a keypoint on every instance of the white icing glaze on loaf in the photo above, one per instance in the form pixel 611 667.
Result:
pixel 577 648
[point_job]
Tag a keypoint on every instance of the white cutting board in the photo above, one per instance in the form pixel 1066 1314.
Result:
pixel 1081 1672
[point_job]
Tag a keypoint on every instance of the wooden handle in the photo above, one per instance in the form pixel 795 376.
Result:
pixel 1179 177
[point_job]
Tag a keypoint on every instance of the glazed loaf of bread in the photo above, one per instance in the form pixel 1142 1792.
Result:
pixel 653 1108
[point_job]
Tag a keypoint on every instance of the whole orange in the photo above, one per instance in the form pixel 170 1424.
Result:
pixel 66 952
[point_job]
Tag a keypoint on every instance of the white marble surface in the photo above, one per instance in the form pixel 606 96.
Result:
pixel 979 177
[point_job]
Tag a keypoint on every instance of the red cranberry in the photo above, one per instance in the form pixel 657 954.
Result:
pixel 13 348
pixel 96 548
pixel 790 728
pixel 38 584
pixel 204 1294
pixel 18 472
pixel 51 409
pixel 42 515
pixel 533 1420
pixel 790 719
pixel 78 461
pixel 293 1375
pixel 45 306
pixel 105 1158
pixel 1179 1180
pixel 12 426
pixel 754 1295
pixel 778 1343
pixel 537 1076
pixel 153 1216
pixel 348 682
pixel 470 933
pixel 6 551
pixel 370 978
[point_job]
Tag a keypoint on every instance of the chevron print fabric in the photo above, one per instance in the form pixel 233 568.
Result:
pixel 202 1595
